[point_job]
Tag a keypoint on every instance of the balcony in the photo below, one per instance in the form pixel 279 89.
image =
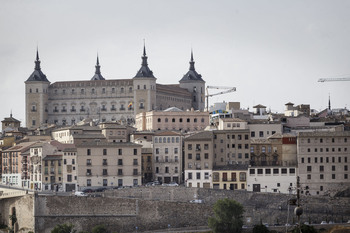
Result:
pixel 113 109
pixel 122 109
pixel 72 110
pixel 88 173
pixel 88 164
pixel 82 110
pixel 104 163
pixel 105 173
pixel 64 110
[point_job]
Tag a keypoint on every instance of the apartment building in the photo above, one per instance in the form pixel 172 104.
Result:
pixel 324 161
pixel 172 119
pixel 265 130
pixel 198 159
pixel 167 157
pixel 108 164
pixel 231 142
pixel 15 164
pixel 230 177
pixel 52 173
pixel 272 179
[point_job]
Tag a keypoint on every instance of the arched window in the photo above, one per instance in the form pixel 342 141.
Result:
pixel 155 140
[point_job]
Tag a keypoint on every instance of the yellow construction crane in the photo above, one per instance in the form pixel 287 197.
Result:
pixel 228 90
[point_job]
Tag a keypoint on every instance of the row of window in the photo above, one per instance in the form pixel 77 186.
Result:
pixel 321 159
pixel 321 168
pixel 261 133
pixel 173 120
pixel 326 140
pixel 233 136
pixel 166 139
pixel 269 171
pixel 167 170
pixel 166 159
pixel 232 176
pixel 166 150
pixel 93 90
pixel 102 108
pixel 333 176
pixel 198 176
pixel 105 183
pixel 105 163
pixel 327 149
pixel 119 172
pixel 198 156
pixel 104 152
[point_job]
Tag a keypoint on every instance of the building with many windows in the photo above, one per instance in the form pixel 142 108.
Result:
pixel 167 157
pixel 230 177
pixel 108 164
pixel 198 156
pixel 172 119
pixel 66 103
pixel 324 161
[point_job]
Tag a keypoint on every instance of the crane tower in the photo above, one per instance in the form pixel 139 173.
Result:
pixel 227 90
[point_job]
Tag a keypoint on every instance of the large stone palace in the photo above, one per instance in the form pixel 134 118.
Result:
pixel 66 103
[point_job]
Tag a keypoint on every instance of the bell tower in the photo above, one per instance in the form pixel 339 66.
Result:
pixel 36 92
pixel 144 87
pixel 193 82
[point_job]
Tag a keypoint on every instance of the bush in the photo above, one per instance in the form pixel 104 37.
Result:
pixel 260 229
pixel 99 229
pixel 228 216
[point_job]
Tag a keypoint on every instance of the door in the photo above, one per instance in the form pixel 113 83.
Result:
pixel 256 187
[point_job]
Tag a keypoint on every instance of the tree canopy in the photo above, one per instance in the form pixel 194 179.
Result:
pixel 63 228
pixel 228 216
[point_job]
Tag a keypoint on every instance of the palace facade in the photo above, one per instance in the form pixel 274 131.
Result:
pixel 68 102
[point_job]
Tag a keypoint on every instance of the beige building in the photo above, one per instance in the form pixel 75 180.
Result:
pixel 172 119
pixel 230 177
pixel 52 173
pixel 324 160
pixel 167 157
pixel 232 146
pixel 108 164
pixel 15 165
pixel 66 103
pixel 198 156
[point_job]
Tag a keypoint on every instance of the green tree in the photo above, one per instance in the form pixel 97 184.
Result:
pixel 260 229
pixel 99 229
pixel 228 216
pixel 305 229
pixel 63 228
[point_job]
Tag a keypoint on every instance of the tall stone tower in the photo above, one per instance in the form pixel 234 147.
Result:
pixel 36 88
pixel 193 82
pixel 144 88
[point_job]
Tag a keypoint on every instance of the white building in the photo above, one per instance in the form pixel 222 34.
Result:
pixel 272 179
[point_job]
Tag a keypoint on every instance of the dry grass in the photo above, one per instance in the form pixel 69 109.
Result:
pixel 340 229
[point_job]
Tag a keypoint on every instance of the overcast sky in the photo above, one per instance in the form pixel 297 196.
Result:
pixel 273 52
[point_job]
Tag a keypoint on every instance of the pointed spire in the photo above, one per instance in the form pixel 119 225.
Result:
pixel 11 113
pixel 98 71
pixel 192 61
pixel 329 101
pixel 144 57
pixel 98 75
pixel 37 61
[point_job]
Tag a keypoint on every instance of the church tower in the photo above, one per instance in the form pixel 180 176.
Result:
pixel 36 88
pixel 144 88
pixel 193 82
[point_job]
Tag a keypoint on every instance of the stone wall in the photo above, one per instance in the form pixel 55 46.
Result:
pixel 24 212
pixel 151 208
